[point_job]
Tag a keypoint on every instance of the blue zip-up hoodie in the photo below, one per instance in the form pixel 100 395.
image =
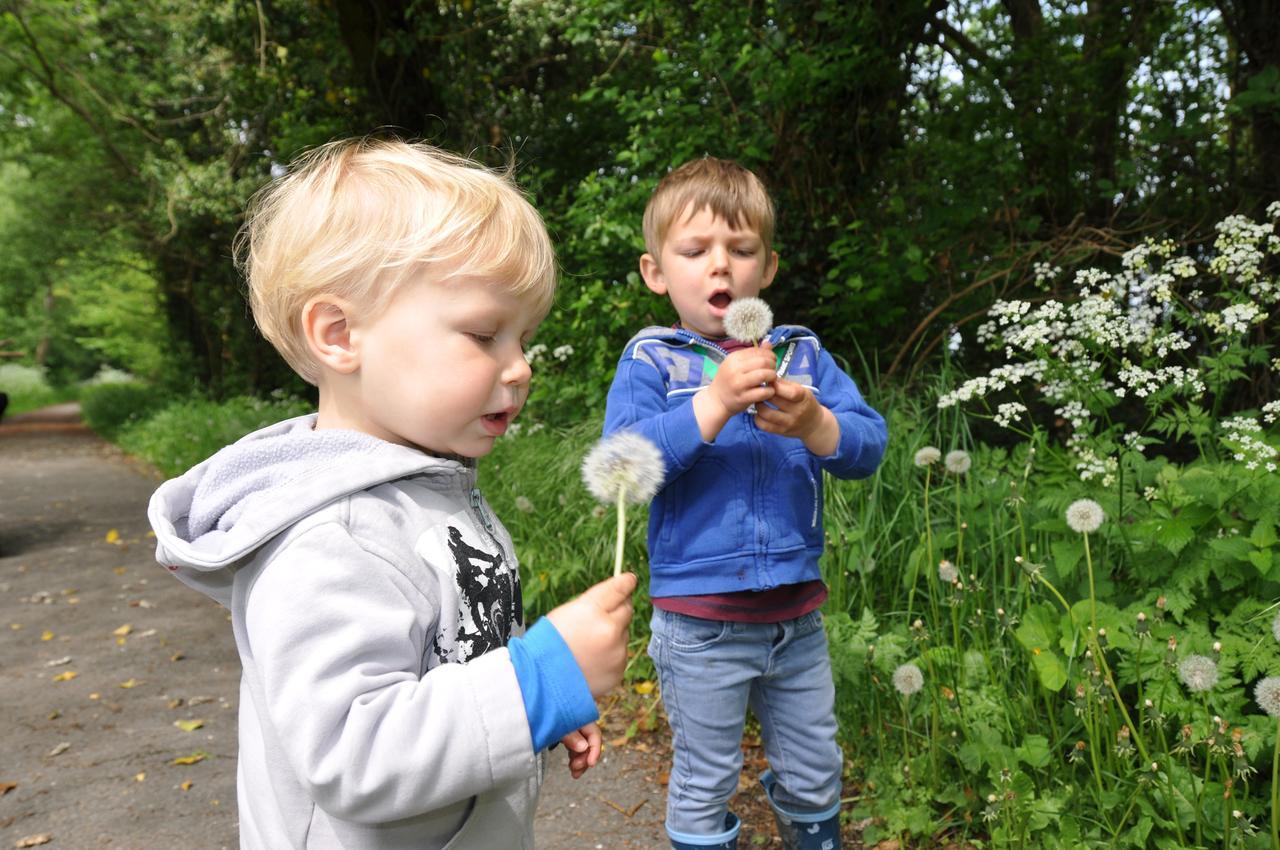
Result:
pixel 743 512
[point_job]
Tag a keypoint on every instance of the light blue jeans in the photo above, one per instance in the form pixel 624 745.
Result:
pixel 709 672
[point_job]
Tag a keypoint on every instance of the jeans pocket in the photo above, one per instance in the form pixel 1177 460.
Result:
pixel 690 634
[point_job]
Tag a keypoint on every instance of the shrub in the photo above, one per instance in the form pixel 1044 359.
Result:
pixel 108 407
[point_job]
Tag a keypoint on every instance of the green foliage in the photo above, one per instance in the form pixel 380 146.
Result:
pixel 29 389
pixel 108 408
pixel 185 432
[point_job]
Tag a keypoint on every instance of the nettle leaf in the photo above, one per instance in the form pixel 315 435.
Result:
pixel 1034 751
pixel 1261 559
pixel 1264 533
pixel 1202 485
pixel 1174 534
pixel 1066 556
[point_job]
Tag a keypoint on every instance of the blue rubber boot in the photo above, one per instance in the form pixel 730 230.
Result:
pixel 803 831
pixel 727 840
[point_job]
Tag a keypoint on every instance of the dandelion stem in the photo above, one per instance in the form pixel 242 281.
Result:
pixel 1275 792
pixel 622 529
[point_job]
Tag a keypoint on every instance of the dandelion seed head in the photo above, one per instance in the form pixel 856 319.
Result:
pixel 624 462
pixel 748 320
pixel 928 456
pixel 524 505
pixel 1198 672
pixel 947 571
pixel 1267 693
pixel 908 679
pixel 958 462
pixel 1085 516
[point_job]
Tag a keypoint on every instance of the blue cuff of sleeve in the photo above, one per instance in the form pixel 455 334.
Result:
pixel 556 698
pixel 682 436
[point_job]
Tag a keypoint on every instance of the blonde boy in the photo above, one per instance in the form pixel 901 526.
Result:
pixel 388 696
pixel 736 532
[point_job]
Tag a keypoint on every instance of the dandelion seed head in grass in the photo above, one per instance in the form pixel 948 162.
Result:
pixel 1085 516
pixel 1267 693
pixel 524 505
pixel 748 320
pixel 958 462
pixel 1198 672
pixel 623 462
pixel 947 571
pixel 908 679
pixel 928 456
pixel 1275 627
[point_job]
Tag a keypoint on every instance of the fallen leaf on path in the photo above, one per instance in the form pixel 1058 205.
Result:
pixel 147 633
pixel 74 600
pixel 46 635
pixel 60 749
pixel 65 676
pixel 188 725
pixel 120 570
pixel 113 536
pixel 200 700
pixel 15 626
pixel 140 777
pixel 70 591
pixel 186 786
pixel 123 630
pixel 130 683
pixel 177 656
pixel 195 758
pixel 58 662
pixel 55 714
pixel 141 603
pixel 33 840
pixel 6 787
pixel 95 695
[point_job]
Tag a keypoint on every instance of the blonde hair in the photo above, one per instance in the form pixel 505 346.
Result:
pixel 729 190
pixel 358 219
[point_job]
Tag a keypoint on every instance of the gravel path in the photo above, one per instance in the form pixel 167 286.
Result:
pixel 113 675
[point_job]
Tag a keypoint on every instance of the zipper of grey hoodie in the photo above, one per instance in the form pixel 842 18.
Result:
pixel 477 506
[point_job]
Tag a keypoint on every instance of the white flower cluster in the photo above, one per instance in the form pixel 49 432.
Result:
pixel 1045 273
pixel 1144 382
pixel 1000 377
pixel 1091 465
pixel 1235 319
pixel 1241 247
pixel 534 353
pixel 1250 448
pixel 1270 411
pixel 562 352
pixel 1273 209
pixel 1008 412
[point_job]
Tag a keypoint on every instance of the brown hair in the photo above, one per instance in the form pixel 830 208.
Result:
pixel 729 190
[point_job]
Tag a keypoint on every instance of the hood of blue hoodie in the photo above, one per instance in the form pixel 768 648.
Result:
pixel 222 510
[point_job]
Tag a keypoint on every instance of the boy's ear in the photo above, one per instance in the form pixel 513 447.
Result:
pixel 652 274
pixel 770 269
pixel 326 325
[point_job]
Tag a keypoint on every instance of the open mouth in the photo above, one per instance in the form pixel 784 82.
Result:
pixel 721 300
pixel 496 423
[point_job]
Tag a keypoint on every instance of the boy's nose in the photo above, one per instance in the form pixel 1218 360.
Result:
pixel 719 259
pixel 517 371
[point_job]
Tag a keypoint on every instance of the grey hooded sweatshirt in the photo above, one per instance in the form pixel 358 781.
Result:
pixel 372 595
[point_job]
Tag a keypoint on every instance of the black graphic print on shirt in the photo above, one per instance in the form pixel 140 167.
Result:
pixel 489 601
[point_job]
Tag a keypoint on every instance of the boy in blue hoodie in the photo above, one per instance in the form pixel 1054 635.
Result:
pixel 736 532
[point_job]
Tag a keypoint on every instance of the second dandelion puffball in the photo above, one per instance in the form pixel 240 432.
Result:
pixel 748 320
pixel 625 463
pixel 1084 516
pixel 908 679
pixel 1199 673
